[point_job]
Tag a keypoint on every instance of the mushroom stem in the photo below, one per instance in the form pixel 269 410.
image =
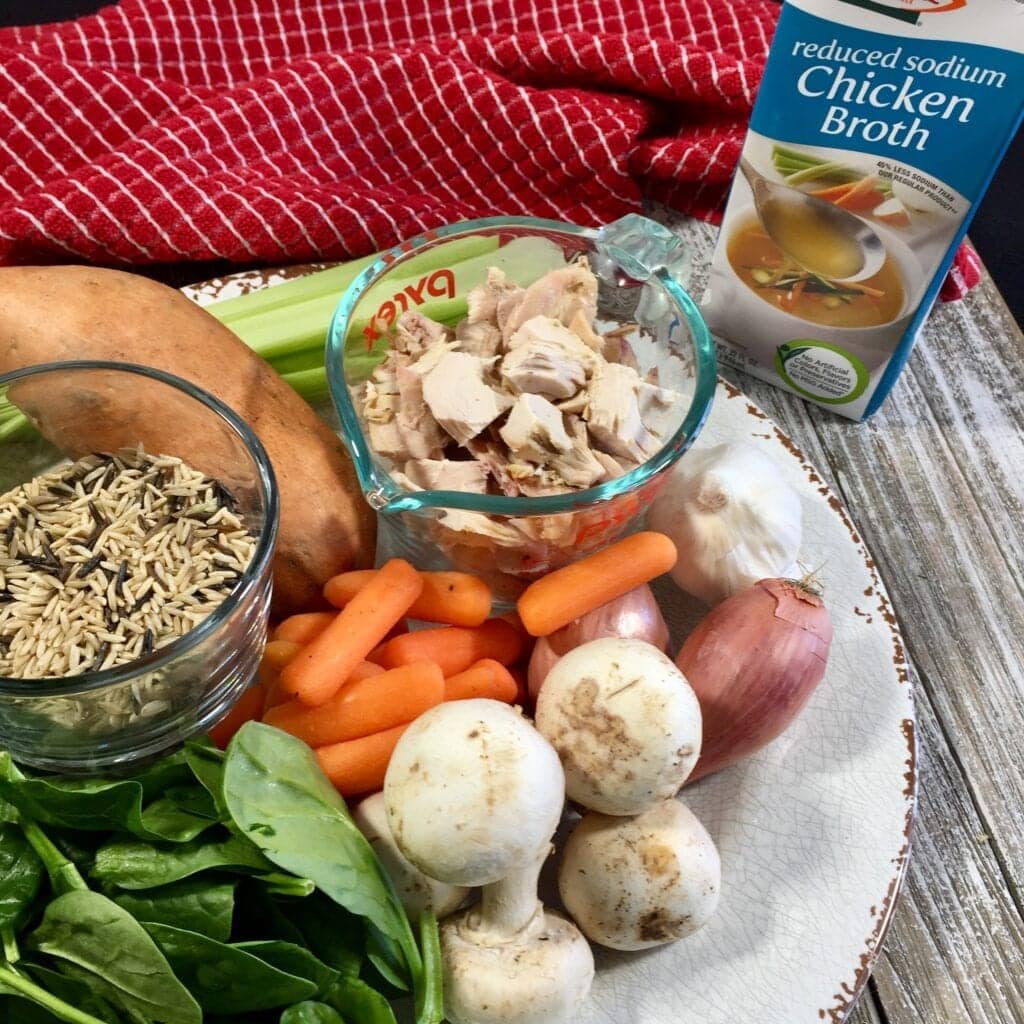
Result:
pixel 508 906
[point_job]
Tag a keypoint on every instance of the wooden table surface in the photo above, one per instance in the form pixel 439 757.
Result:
pixel 935 481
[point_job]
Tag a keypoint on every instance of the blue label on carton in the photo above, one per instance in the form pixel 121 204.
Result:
pixel 930 103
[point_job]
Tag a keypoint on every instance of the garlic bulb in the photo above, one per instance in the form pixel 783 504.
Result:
pixel 733 518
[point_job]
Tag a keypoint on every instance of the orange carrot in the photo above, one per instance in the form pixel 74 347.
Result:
pixel 272 695
pixel 359 766
pixel 279 652
pixel 833 193
pixel 319 669
pixel 245 709
pixel 555 600
pixel 454 648
pixel 487 678
pixel 454 598
pixel 301 629
pixel 856 193
pixel 366 706
pixel 271 680
pixel 365 670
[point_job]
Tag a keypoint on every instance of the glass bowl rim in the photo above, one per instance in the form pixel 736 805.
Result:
pixel 381 490
pixel 67 686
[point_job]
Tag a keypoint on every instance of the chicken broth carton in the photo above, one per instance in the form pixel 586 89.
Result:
pixel 877 128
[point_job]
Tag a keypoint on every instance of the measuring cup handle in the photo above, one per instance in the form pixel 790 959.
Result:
pixel 640 247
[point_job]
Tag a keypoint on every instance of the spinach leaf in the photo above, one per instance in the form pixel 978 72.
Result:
pixel 311 1013
pixel 207 765
pixel 131 864
pixel 169 771
pixel 292 959
pixel 21 876
pixel 279 797
pixel 87 929
pixel 259 916
pixel 17 1009
pixel 96 804
pixel 281 884
pixel 337 937
pixel 227 979
pixel 180 814
pixel 77 988
pixel 195 904
pixel 358 1003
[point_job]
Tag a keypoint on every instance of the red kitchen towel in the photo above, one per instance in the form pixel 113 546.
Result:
pixel 282 130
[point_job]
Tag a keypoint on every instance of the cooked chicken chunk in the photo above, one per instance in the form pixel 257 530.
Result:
pixel 578 466
pixel 559 294
pixel 656 405
pixel 534 431
pixel 546 358
pixel 459 398
pixel 617 348
pixel 613 412
pixel 613 468
pixel 482 338
pixel 584 330
pixel 424 438
pixel 415 333
pixel 447 475
pixel 476 528
pixel 380 403
pixel 484 300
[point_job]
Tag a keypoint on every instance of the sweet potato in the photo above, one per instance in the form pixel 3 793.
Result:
pixel 74 312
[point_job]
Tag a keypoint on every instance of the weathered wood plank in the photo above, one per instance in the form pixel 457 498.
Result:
pixel 936 483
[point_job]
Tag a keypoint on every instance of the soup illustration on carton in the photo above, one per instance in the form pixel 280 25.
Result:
pixel 877 127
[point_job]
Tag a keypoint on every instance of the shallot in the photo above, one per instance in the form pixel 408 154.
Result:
pixel 634 616
pixel 754 661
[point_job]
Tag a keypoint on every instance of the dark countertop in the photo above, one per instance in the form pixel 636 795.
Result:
pixel 996 231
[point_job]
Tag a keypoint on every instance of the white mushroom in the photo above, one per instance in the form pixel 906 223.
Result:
pixel 473 795
pixel 417 891
pixel 625 722
pixel 631 883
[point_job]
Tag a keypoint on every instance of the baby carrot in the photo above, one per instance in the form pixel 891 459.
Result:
pixel 301 629
pixel 359 766
pixel 246 708
pixel 278 653
pixel 364 707
pixel 317 672
pixel 454 598
pixel 365 670
pixel 555 600
pixel 487 678
pixel 454 648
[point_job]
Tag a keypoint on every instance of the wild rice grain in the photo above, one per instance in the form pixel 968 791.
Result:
pixel 95 573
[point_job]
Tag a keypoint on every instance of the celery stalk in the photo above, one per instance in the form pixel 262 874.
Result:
pixel 333 281
pixel 274 326
pixel 309 384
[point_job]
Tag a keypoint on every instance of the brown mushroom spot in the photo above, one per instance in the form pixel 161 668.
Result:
pixel 658 858
pixel 588 736
pixel 660 926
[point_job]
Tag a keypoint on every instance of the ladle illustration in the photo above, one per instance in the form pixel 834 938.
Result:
pixel 821 237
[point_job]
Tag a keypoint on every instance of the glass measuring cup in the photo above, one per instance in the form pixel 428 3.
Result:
pixel 511 540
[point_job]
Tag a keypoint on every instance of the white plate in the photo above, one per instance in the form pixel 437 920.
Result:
pixel 814 830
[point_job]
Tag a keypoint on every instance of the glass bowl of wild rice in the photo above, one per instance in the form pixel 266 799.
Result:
pixel 138 516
